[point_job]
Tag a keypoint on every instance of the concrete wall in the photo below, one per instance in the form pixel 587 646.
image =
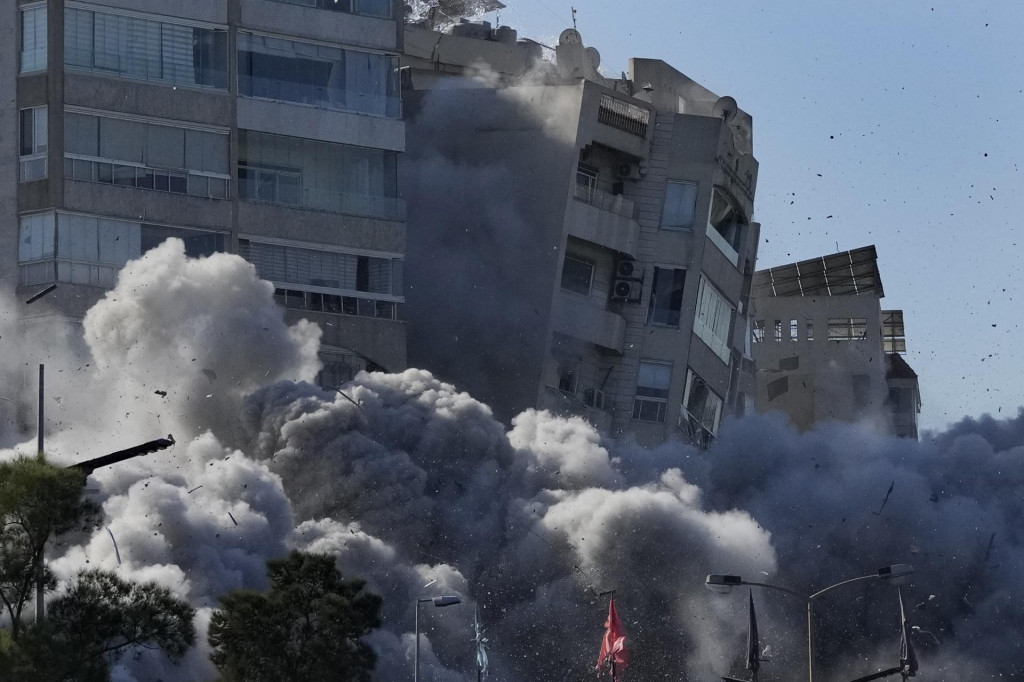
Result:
pixel 306 22
pixel 10 24
pixel 821 386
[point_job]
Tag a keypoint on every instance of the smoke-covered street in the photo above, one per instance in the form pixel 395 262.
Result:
pixel 416 488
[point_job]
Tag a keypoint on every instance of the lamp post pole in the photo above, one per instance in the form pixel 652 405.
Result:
pixel 438 602
pixel 725 583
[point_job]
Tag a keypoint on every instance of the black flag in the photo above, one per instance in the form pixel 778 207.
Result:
pixel 908 658
pixel 753 643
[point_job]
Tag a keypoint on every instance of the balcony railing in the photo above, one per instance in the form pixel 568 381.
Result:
pixel 367 8
pixel 623 115
pixel 588 193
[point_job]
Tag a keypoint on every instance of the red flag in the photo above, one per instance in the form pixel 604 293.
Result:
pixel 613 648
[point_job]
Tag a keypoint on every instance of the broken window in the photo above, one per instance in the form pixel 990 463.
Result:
pixel 794 330
pixel 568 374
pixel 577 274
pixel 809 326
pixel 586 182
pixel 652 384
pixel 777 336
pixel 666 296
pixel 847 328
pixel 702 409
pixel 725 224
pixel 758 331
pixel 680 205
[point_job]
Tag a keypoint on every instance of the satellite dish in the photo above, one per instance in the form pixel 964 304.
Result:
pixel 570 36
pixel 725 108
pixel 593 56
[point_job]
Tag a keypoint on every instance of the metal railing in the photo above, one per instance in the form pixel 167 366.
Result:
pixel 623 115
pixel 588 193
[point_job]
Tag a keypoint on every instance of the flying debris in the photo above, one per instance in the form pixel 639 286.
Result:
pixel 346 397
pixel 480 640
pixel 887 494
pixel 232 518
pixel 117 552
pixel 39 294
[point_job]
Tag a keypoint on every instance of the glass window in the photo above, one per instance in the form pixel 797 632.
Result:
pixel 666 296
pixel 757 333
pixel 33 39
pixel 343 271
pixel 320 75
pixel 725 224
pixel 370 8
pixel 577 275
pixel 145 48
pixel 35 237
pixel 680 205
pixel 847 328
pixel 712 321
pixel 318 175
pixel 702 409
pixel 32 144
pixel 652 386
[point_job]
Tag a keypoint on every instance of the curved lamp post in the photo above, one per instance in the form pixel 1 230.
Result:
pixel 895 574
pixel 448 600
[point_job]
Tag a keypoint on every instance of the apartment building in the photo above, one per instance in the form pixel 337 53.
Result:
pixel 825 349
pixel 577 243
pixel 267 128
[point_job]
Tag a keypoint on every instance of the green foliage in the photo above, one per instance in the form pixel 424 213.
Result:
pixel 37 501
pixel 99 619
pixel 308 628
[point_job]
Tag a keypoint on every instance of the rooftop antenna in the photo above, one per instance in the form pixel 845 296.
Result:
pixel 574 18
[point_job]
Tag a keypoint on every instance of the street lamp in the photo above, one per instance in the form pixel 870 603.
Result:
pixel 896 574
pixel 449 600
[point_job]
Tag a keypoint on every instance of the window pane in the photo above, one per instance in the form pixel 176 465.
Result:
pixel 27 142
pixel 33 39
pixel 713 320
pixel 666 296
pixel 653 379
pixel 577 275
pixel 680 205
pixel 165 146
pixel 81 134
pixel 122 140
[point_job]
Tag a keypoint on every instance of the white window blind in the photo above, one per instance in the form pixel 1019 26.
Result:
pixel 714 315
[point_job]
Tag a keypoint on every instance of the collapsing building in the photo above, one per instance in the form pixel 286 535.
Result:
pixel 578 243
pixel 825 349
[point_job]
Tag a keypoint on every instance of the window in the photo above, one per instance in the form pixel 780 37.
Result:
pixel 794 330
pixel 847 328
pixel 369 8
pixel 714 316
pixel 33 38
pixel 147 49
pixel 577 275
pixel 680 205
pixel 568 373
pixel 666 297
pixel 327 269
pixel 652 384
pixel 777 335
pixel 725 225
pixel 319 75
pixel 701 412
pixel 586 183
pixel 32 147
pixel 809 326
pixel 83 249
pixel 145 155
pixel 333 303
pixel 322 176
pixel 757 335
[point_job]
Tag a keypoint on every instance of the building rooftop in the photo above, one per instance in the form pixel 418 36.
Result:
pixel 840 274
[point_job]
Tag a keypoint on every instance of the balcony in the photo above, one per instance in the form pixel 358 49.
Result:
pixel 568 404
pixel 603 218
pixel 582 319
pixel 623 115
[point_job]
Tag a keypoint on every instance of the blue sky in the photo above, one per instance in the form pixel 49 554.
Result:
pixel 897 124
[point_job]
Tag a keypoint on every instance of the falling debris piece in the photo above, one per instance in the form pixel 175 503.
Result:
pixel 117 552
pixel 38 295
pixel 351 400
pixel 891 486
pixel 430 583
pixel 988 550
pixel 232 518
pixel 194 489
pixel 162 394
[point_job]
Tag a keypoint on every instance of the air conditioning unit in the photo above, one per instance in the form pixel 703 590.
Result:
pixel 594 398
pixel 627 290
pixel 627 268
pixel 628 171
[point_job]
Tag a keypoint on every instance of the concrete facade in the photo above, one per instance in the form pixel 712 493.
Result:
pixel 531 304
pixel 230 79
pixel 819 345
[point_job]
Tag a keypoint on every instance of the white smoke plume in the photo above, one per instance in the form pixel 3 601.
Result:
pixel 416 488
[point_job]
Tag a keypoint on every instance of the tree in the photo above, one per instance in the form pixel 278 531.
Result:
pixel 97 621
pixel 37 500
pixel 308 628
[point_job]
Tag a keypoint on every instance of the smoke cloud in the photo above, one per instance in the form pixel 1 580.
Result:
pixel 415 487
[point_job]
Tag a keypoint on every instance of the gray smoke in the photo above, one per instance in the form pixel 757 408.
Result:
pixel 417 488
